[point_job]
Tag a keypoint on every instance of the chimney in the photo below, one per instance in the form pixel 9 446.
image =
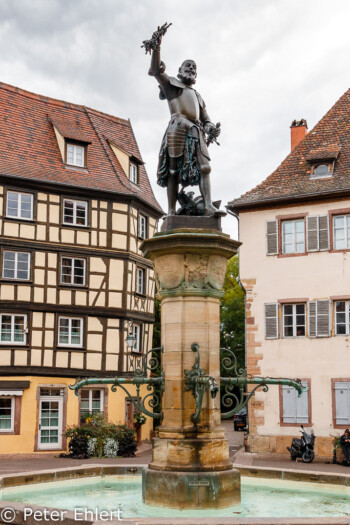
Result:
pixel 297 132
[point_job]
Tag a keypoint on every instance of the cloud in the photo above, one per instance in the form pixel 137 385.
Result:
pixel 261 64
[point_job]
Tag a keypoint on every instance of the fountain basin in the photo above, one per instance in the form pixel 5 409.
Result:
pixel 264 493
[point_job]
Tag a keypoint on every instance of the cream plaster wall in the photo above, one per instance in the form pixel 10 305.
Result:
pixel 314 276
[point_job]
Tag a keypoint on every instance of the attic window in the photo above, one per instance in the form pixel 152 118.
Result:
pixel 133 173
pixel 322 171
pixel 75 155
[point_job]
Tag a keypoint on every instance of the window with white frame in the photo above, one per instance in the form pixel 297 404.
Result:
pixel 294 321
pixel 7 414
pixel 142 226
pixel 16 265
pixel 140 280
pixel 341 232
pixel 342 317
pixel 70 331
pixel 90 401
pixel 293 236
pixel 295 409
pixel 13 329
pixel 73 271
pixel 137 334
pixel 133 175
pixel 342 402
pixel 75 212
pixel 75 155
pixel 19 205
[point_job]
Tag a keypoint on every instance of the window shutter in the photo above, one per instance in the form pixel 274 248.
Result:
pixel 272 237
pixel 312 319
pixel 312 234
pixel 289 409
pixel 317 233
pixel 342 406
pixel 323 232
pixel 323 319
pixel 271 321
pixel 302 404
pixel 319 319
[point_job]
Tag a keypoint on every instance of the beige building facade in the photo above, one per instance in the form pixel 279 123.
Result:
pixel 73 281
pixel 295 268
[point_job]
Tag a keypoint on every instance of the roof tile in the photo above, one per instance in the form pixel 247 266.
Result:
pixel 29 148
pixel 291 180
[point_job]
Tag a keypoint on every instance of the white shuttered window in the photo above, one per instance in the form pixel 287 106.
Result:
pixel 342 402
pixel 272 237
pixel 295 409
pixel 317 233
pixel 319 318
pixel 271 321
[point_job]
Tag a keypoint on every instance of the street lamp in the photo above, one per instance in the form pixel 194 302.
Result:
pixel 130 338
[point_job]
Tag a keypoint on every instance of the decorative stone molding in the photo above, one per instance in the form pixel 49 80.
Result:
pixel 190 262
pixel 191 273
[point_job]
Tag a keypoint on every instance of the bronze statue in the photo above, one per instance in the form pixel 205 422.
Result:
pixel 184 157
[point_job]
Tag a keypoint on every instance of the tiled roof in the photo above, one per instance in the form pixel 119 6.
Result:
pixel 330 138
pixel 29 148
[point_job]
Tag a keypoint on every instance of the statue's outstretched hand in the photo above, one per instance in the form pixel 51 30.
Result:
pixel 156 39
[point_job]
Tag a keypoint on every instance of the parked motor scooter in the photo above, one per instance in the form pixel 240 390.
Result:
pixel 303 448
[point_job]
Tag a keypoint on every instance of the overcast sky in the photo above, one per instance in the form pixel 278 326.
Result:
pixel 261 64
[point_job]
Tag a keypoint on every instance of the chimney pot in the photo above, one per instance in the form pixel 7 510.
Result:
pixel 298 130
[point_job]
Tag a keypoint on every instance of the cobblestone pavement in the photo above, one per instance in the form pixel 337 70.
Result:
pixel 10 464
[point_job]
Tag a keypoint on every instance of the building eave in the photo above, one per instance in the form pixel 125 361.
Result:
pixel 288 199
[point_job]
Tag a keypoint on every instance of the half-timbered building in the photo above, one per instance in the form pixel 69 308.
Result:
pixel 295 267
pixel 75 204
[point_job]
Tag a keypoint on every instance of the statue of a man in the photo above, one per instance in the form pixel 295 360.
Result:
pixel 183 157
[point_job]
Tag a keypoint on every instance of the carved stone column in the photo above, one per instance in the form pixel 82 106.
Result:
pixel 190 466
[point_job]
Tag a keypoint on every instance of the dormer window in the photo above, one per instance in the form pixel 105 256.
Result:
pixel 133 173
pixel 322 161
pixel 75 155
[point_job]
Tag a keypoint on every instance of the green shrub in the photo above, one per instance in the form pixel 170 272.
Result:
pixel 90 438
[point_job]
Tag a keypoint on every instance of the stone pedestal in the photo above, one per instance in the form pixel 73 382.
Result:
pixel 190 467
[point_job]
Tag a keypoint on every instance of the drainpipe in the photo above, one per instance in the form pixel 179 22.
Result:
pixel 236 216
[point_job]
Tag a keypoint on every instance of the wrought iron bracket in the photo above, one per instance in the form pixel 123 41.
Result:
pixel 151 362
pixel 236 400
pixel 198 383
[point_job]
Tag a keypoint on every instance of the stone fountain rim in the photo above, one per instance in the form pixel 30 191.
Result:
pixel 43 476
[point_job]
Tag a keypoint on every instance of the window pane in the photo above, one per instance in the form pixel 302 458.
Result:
pixel 19 329
pixel 79 271
pixel 9 265
pixel 12 204
pixel 288 309
pixel 321 170
pixel 81 213
pixel 75 336
pixel 300 309
pixel 66 270
pixel 299 226
pixel 68 212
pixel 288 331
pixel 63 336
pixel 26 206
pixel 6 328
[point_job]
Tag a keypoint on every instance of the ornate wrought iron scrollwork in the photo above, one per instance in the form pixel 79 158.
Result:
pixel 198 382
pixel 238 398
pixel 151 362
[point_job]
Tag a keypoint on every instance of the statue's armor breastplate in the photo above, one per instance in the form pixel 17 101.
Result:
pixel 185 104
